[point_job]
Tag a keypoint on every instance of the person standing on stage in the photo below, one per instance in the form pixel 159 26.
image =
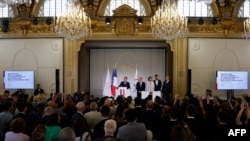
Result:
pixel 157 83
pixel 140 86
pixel 167 88
pixel 125 83
pixel 38 90
pixel 150 85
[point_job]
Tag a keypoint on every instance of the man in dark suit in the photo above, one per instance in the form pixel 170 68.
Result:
pixel 132 131
pixel 38 90
pixel 125 83
pixel 140 86
pixel 157 83
pixel 167 88
pixel 99 127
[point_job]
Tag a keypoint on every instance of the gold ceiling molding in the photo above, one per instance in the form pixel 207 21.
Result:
pixel 105 3
pixel 23 20
pixel 26 27
pixel 225 27
pixel 124 20
pixel 227 15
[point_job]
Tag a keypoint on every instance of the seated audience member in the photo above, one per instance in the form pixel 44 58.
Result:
pixel 22 113
pixel 99 127
pixel 39 109
pixel 67 134
pixel 220 132
pixel 152 119
pixel 109 103
pixel 130 102
pixel 79 126
pixel 52 127
pixel 80 106
pixel 194 124
pixel 47 112
pixel 38 133
pixel 167 123
pixel 109 129
pixel 69 109
pixel 5 118
pixel 17 127
pixel 139 110
pixel 39 98
pixel 210 118
pixel 93 117
pixel 132 131
pixel 181 132
pixel 119 116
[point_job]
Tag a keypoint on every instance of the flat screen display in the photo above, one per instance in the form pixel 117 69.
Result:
pixel 18 79
pixel 232 80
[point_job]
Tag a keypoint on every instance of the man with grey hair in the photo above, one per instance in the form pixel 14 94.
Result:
pixel 67 134
pixel 80 106
pixel 47 112
pixel 109 129
pixel 93 117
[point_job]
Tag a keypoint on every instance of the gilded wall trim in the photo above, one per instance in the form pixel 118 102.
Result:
pixel 179 49
pixel 72 47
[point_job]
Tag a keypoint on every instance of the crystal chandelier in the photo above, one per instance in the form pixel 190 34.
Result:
pixel 3 3
pixel 167 23
pixel 246 25
pixel 73 23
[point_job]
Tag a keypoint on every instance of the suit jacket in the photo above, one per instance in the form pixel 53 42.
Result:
pixel 167 87
pixel 132 132
pixel 140 87
pixel 122 84
pixel 158 86
pixel 99 130
pixel 93 117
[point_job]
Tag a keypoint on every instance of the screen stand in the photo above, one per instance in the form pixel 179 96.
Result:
pixel 230 93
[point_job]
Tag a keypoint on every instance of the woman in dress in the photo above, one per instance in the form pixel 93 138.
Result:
pixel 150 85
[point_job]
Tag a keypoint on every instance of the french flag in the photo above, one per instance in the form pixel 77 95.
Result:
pixel 114 83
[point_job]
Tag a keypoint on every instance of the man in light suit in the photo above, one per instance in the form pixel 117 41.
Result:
pixel 132 131
pixel 140 86
pixel 125 83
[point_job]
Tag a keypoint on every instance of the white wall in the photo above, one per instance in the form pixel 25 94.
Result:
pixel 43 56
pixel 206 56
pixel 149 62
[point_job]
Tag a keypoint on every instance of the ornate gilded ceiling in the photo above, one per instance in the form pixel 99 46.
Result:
pixel 224 11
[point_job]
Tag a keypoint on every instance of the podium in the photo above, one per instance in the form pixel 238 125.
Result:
pixel 123 91
pixel 144 94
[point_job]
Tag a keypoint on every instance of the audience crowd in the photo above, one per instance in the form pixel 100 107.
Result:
pixel 83 117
